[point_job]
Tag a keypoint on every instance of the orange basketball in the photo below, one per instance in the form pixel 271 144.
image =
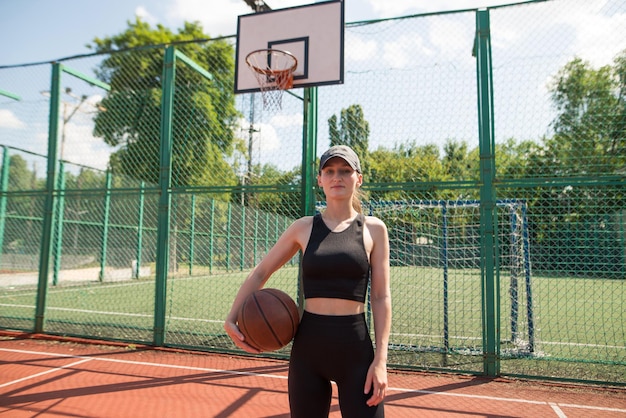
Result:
pixel 268 319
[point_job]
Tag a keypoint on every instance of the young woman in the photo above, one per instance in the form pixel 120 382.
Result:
pixel 342 250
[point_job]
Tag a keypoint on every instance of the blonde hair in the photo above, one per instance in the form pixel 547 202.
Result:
pixel 357 196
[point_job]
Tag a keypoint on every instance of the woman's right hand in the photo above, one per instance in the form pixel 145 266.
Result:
pixel 238 338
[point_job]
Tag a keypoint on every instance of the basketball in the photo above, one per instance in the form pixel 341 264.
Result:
pixel 268 319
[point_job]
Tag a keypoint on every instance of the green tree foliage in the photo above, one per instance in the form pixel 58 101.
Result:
pixel 590 126
pixel 589 142
pixel 287 204
pixel 353 130
pixel 204 110
pixel 405 164
pixel 457 163
pixel 25 238
pixel 21 178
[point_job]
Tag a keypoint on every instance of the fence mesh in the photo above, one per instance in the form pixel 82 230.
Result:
pixel 224 177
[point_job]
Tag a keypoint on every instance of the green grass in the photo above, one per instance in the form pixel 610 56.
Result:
pixel 578 323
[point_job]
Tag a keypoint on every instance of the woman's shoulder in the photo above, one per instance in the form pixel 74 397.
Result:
pixel 302 223
pixel 376 226
pixel 374 221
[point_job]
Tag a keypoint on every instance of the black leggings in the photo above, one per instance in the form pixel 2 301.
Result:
pixel 331 348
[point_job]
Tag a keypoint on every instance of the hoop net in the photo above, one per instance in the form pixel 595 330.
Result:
pixel 273 70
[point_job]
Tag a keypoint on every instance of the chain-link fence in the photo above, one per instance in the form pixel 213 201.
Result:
pixel 137 191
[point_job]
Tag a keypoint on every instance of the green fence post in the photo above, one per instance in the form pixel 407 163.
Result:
pixel 490 285
pixel 212 236
pixel 165 180
pixel 228 235
pixel 309 150
pixel 105 226
pixel 242 244
pixel 192 233
pixel 58 236
pixel 142 196
pixel 48 210
pixel 256 237
pixel 4 188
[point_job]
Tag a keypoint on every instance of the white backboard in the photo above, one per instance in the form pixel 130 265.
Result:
pixel 312 33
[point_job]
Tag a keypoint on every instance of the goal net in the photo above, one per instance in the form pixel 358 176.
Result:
pixel 435 249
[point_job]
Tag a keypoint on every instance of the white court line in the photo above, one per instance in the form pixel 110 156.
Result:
pixel 219 321
pixel 124 314
pixel 273 376
pixel 557 410
pixel 32 376
pixel 145 363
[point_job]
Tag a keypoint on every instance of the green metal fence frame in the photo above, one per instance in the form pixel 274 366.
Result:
pixel 488 224
pixel 53 213
pixel 52 195
pixel 309 146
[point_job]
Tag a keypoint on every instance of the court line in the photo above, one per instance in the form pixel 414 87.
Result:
pixel 557 410
pixel 216 321
pixel 145 363
pixel 123 314
pixel 46 372
pixel 274 376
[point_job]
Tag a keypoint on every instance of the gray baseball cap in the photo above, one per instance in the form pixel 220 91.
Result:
pixel 344 152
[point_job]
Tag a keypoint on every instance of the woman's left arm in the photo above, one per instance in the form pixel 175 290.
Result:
pixel 380 296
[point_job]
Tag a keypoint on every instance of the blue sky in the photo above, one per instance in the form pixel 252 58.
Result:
pixel 44 30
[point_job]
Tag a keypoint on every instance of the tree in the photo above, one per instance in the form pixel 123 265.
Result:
pixel 204 112
pixel 21 178
pixel 405 163
pixel 24 238
pixel 352 130
pixel 456 161
pixel 589 128
pixel 588 141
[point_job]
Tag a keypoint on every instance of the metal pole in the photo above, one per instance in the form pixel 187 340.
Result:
pixel 165 199
pixel 105 226
pixel 192 234
pixel 4 188
pixel 309 149
pixel 48 214
pixel 142 193
pixel 490 285
pixel 60 214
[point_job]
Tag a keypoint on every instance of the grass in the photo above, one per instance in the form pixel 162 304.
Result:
pixel 578 323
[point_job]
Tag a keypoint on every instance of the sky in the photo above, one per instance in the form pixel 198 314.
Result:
pixel 40 31
pixel 45 30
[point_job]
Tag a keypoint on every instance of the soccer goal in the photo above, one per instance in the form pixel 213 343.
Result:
pixel 442 240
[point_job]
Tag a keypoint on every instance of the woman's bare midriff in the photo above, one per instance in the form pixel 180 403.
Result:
pixel 331 306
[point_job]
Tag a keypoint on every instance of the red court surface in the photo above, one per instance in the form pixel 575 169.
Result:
pixel 43 377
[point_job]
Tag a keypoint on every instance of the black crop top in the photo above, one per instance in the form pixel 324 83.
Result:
pixel 335 264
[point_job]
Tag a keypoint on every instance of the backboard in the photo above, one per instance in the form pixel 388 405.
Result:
pixel 312 33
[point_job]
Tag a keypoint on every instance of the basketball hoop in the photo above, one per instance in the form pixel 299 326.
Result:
pixel 273 70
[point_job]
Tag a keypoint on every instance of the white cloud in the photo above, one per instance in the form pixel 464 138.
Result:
pixel 599 38
pixel 145 15
pixel 218 17
pixel 283 121
pixel 83 148
pixel 393 8
pixel 451 37
pixel 9 120
pixel 587 32
pixel 404 50
pixel 264 135
pixel 360 49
